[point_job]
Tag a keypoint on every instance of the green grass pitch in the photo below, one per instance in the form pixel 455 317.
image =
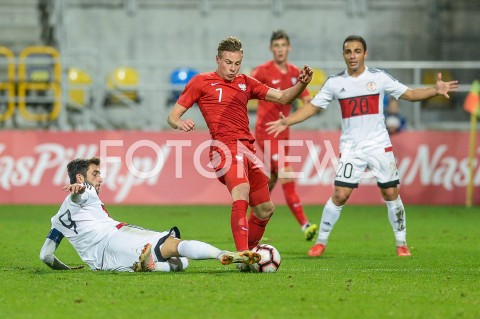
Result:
pixel 359 275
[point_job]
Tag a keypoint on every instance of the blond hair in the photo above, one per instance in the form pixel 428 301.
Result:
pixel 230 44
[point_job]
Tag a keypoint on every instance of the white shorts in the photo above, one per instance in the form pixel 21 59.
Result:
pixel 358 164
pixel 124 248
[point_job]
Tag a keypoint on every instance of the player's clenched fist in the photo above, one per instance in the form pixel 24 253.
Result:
pixel 306 74
pixel 187 125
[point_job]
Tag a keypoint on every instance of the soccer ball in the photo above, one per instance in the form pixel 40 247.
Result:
pixel 270 259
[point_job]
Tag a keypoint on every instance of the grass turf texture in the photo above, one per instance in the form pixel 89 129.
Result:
pixel 359 275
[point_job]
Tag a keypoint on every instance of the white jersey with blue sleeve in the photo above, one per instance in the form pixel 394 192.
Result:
pixel 101 242
pixel 83 220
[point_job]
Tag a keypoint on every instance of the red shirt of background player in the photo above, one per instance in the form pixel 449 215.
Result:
pixel 270 75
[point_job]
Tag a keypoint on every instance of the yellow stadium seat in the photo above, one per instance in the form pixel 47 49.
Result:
pixel 429 77
pixel 123 81
pixel 319 77
pixel 79 87
pixel 252 105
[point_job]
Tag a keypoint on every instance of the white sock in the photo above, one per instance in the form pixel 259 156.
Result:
pixel 162 266
pixel 195 249
pixel 397 218
pixel 330 215
pixel 172 264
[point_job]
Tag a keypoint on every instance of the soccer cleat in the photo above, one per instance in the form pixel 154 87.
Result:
pixel 317 250
pixel 403 251
pixel 145 261
pixel 246 257
pixel 310 232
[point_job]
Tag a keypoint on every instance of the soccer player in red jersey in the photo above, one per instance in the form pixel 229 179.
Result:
pixel 222 97
pixel 280 74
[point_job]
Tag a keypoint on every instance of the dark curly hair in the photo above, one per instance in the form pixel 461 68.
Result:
pixel 80 166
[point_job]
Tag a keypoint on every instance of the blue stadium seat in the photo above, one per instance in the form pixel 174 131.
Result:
pixel 178 79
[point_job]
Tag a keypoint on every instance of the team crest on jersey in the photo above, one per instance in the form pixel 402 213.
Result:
pixel 242 86
pixel 371 86
pixel 294 80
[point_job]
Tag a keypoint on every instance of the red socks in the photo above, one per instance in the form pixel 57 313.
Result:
pixel 257 228
pixel 239 224
pixel 294 203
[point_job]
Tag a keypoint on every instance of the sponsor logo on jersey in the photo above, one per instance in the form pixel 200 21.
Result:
pixel 213 84
pixel 371 86
pixel 242 86
pixel 275 82
pixel 294 80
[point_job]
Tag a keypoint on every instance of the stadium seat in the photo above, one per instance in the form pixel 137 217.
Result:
pixel 39 78
pixel 79 83
pixel 122 84
pixel 7 84
pixel 252 105
pixel 319 77
pixel 429 77
pixel 178 79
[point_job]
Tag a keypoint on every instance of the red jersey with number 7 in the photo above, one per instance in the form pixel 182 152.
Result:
pixel 224 103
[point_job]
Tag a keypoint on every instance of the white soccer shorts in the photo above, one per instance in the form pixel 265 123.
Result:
pixel 363 163
pixel 124 248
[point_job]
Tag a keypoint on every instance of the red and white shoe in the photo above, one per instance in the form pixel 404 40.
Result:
pixel 403 251
pixel 246 257
pixel 317 250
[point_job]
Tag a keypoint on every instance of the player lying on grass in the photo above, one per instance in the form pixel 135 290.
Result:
pixel 106 244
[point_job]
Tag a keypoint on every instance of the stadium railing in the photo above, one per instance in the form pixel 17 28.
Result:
pixel 39 84
pixel 7 84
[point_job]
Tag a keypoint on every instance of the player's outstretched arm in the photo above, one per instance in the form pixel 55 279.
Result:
pixel 289 95
pixel 441 88
pixel 175 119
pixel 48 257
pixel 300 115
